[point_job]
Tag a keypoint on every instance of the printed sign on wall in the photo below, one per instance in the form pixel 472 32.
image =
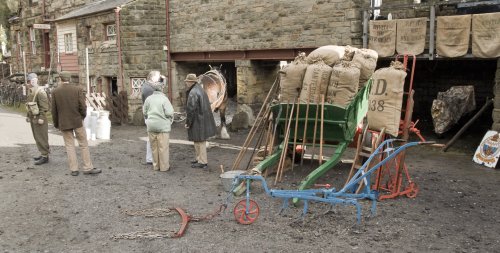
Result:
pixel 488 152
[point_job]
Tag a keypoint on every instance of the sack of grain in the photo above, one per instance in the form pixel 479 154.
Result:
pixel 291 78
pixel 315 82
pixel 343 84
pixel 366 61
pixel 349 53
pixel 386 98
pixel 330 55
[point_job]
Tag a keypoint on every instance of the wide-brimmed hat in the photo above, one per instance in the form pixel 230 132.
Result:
pixel 191 78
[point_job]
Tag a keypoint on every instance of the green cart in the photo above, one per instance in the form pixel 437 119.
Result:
pixel 339 128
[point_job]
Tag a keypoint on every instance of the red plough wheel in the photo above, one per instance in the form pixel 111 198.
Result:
pixel 242 216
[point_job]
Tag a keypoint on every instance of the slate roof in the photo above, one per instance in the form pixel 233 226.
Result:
pixel 98 6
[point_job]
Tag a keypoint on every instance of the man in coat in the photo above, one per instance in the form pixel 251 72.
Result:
pixel 38 119
pixel 68 111
pixel 199 121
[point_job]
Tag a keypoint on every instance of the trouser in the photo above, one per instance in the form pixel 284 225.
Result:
pixel 159 146
pixel 41 136
pixel 200 147
pixel 149 152
pixel 69 143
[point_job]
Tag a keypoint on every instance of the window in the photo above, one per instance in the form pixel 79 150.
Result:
pixel 110 32
pixel 19 45
pixel 68 43
pixel 92 84
pixel 137 85
pixel 32 41
pixel 89 35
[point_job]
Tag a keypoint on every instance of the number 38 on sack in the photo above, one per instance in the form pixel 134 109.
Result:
pixel 377 105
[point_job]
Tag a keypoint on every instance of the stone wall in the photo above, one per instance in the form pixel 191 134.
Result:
pixel 263 24
pixel 143 35
pixel 103 57
pixel 254 80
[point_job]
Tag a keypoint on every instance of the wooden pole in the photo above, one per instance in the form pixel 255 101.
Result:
pixel 315 123
pixel 467 125
pixel 284 146
pixel 287 137
pixel 295 134
pixel 321 129
pixel 264 105
pixel 306 121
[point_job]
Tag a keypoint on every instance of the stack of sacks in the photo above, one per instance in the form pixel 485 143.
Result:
pixel 334 71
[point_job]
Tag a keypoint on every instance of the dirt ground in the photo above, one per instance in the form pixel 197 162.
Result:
pixel 44 209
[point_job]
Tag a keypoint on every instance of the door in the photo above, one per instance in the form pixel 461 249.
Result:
pixel 46 49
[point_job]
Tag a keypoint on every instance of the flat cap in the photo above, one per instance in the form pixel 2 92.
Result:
pixel 65 76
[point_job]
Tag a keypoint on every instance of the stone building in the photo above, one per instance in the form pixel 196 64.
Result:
pixel 247 39
pixel 120 40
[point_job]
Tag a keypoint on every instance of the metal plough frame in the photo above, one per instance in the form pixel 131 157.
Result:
pixel 345 196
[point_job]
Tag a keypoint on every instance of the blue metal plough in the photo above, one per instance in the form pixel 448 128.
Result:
pixel 247 210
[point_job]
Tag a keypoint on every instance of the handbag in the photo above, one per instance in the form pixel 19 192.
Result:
pixel 33 106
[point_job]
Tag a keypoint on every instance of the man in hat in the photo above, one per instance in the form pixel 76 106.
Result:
pixel 159 115
pixel 38 106
pixel 199 121
pixel 68 111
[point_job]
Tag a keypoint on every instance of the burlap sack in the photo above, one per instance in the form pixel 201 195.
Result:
pixel 343 84
pixel 315 82
pixel 452 35
pixel 349 53
pixel 366 61
pixel 330 55
pixel 291 78
pixel 411 35
pixel 486 35
pixel 382 37
pixel 386 98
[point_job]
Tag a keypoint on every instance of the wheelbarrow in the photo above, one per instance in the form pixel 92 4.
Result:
pixel 247 210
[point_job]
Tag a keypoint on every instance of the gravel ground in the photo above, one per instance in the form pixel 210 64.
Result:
pixel 44 209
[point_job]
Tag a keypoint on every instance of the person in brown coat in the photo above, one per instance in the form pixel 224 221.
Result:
pixel 68 111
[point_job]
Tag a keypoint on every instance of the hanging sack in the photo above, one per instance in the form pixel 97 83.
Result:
pixel 33 106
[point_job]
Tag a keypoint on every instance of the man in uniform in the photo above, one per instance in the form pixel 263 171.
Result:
pixel 38 106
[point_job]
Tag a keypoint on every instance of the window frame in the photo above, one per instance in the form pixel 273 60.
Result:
pixel 110 36
pixel 32 37
pixel 135 87
pixel 66 44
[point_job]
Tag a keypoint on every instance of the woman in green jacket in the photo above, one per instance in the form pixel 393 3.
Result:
pixel 159 114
